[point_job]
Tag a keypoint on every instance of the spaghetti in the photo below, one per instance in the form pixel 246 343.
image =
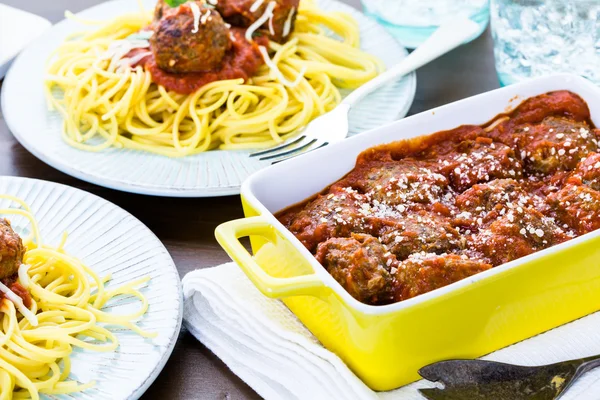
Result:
pixel 107 100
pixel 65 312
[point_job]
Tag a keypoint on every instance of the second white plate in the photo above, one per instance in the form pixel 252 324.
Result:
pixel 214 173
pixel 110 241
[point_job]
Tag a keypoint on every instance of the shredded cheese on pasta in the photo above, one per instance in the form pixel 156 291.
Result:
pixel 260 20
pixel 18 302
pixel 273 67
pixel 23 277
pixel 287 26
pixel 271 29
pixel 256 5
pixel 196 13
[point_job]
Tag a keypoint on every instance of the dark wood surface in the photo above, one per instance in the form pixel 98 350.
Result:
pixel 186 226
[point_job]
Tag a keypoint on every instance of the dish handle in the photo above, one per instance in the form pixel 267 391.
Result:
pixel 228 235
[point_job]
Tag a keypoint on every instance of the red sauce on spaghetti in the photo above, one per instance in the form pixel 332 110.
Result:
pixel 242 61
pixel 19 290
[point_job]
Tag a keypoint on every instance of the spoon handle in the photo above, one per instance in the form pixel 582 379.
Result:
pixel 447 37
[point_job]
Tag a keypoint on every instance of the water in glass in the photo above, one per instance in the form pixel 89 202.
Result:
pixel 539 37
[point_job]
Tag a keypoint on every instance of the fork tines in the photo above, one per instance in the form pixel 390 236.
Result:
pixel 277 148
pixel 284 152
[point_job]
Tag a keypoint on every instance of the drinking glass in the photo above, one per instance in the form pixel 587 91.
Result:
pixel 539 37
pixel 412 21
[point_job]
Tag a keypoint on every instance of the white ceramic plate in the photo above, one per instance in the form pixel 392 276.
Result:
pixel 213 173
pixel 109 240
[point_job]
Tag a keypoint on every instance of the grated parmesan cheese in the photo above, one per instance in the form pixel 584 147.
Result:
pixel 275 70
pixel 287 26
pixel 271 29
pixel 256 5
pixel 261 20
pixel 119 48
pixel 196 13
pixel 23 276
pixel 18 302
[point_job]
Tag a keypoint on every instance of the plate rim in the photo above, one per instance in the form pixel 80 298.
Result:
pixel 137 392
pixel 146 188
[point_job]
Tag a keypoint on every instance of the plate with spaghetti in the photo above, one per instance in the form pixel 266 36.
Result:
pixel 90 300
pixel 169 97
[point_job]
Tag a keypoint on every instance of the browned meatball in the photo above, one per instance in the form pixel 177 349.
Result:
pixel 11 250
pixel 361 265
pixel 343 211
pixel 159 10
pixel 335 214
pixel 399 183
pixel 560 103
pixel 587 172
pixel 422 273
pixel 245 12
pixel 577 206
pixel 556 144
pixel 517 233
pixel 484 203
pixel 421 231
pixel 478 161
pixel 179 48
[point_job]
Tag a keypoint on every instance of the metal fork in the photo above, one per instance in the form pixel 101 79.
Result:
pixel 333 126
pixel 489 380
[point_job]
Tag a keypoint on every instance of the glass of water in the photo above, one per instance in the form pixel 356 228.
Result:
pixel 412 21
pixel 539 37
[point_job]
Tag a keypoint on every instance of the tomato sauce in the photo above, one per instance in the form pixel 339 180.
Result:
pixel 419 214
pixel 242 61
pixel 19 290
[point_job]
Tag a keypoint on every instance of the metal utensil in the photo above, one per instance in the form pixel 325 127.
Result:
pixel 333 126
pixel 483 380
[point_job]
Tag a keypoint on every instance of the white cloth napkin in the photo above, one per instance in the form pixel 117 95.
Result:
pixel 262 342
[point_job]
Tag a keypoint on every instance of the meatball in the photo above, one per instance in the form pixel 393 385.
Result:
pixel 421 231
pixel 361 265
pixel 159 10
pixel 399 183
pixel 422 273
pixel 587 172
pixel 556 144
pixel 484 203
pixel 244 13
pixel 478 161
pixel 11 250
pixel 561 102
pixel 338 213
pixel 487 196
pixel 577 206
pixel 179 47
pixel 334 214
pixel 515 234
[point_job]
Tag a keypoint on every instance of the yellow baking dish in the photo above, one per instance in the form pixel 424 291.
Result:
pixel 386 345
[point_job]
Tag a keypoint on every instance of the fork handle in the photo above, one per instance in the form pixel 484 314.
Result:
pixel 589 363
pixel 447 37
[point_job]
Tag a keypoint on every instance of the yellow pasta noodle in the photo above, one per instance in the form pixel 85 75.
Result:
pixel 66 301
pixel 105 105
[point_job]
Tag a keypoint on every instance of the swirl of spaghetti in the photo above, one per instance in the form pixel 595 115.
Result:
pixel 105 102
pixel 65 311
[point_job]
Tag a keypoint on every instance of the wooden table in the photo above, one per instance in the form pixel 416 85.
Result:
pixel 186 226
